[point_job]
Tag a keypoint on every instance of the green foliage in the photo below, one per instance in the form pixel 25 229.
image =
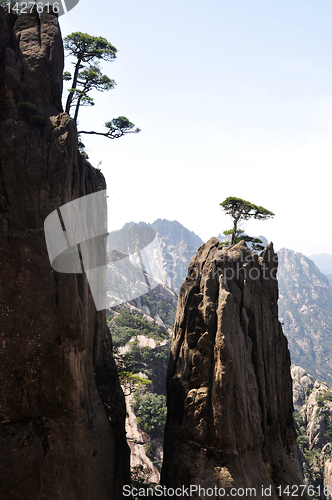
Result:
pixel 92 78
pixel 130 381
pixel 328 433
pixel 326 396
pixel 297 417
pixel 81 149
pixel 120 334
pixel 30 114
pixel 116 128
pixel 140 477
pixel 149 408
pixel 149 449
pixel 150 411
pixel 223 244
pixel 88 79
pixel 38 120
pixel 128 364
pixel 145 359
pixel 303 441
pixel 312 457
pixel 26 108
pixel 89 50
pixel 244 210
pixel 142 326
pixel 256 243
pixel 160 307
pixel 121 122
pixel 120 126
pixel 86 48
pixel 151 355
pixel 241 210
pixel 66 76
pixel 137 359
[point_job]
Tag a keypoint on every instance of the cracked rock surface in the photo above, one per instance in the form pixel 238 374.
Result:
pixel 229 386
pixel 62 410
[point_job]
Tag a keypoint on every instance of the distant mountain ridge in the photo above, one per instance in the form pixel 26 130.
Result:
pixel 323 261
pixel 177 245
pixel 305 308
pixel 305 295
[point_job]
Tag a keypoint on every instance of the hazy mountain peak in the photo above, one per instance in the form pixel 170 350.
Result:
pixel 323 261
pixel 305 308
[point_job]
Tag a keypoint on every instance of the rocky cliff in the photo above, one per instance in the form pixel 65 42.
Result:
pixel 229 387
pixel 313 403
pixel 302 386
pixel 62 410
pixel 305 298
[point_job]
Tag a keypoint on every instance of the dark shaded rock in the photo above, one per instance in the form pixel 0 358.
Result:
pixel 229 386
pixel 62 430
pixel 31 56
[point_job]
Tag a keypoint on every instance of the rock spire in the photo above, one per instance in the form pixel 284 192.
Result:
pixel 229 387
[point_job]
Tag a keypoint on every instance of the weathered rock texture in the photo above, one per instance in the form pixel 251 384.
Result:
pixel 229 387
pixel 302 385
pixel 62 410
pixel 314 425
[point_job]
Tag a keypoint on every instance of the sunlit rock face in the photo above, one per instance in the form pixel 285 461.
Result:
pixel 229 386
pixel 62 410
pixel 313 403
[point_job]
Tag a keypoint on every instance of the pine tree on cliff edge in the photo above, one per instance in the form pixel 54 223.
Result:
pixel 241 210
pixel 88 51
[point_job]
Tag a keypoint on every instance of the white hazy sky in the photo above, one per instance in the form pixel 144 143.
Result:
pixel 234 98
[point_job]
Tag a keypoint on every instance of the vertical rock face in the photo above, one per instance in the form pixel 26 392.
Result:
pixel 229 387
pixel 62 410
